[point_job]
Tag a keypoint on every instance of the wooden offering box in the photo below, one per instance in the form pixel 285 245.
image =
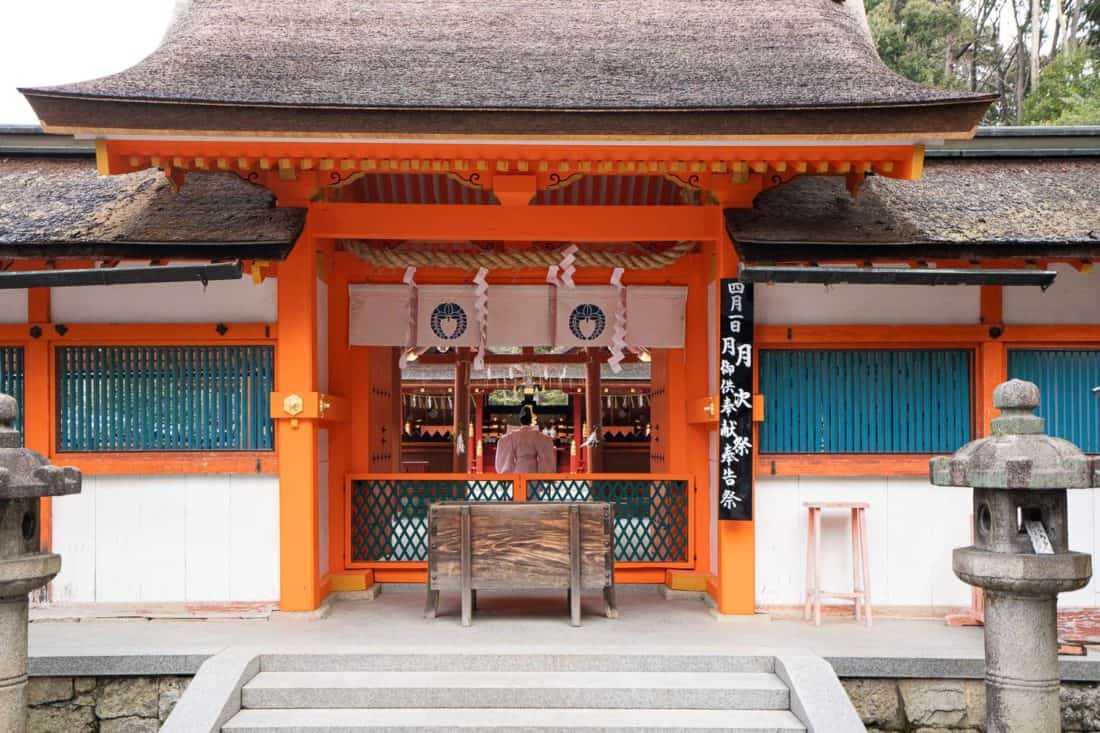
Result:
pixel 476 546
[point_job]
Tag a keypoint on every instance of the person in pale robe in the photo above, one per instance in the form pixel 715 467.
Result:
pixel 526 450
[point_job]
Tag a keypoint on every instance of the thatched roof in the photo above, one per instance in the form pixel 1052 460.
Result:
pixel 320 66
pixel 959 208
pixel 59 207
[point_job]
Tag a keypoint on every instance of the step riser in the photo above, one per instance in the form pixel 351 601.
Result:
pixel 481 697
pixel 514 663
pixel 505 729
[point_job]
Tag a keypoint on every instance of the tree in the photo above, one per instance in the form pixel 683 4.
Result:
pixel 1068 90
pixel 1042 57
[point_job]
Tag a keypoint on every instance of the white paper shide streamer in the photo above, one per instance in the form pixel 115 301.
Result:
pixel 618 333
pixel 566 266
pixel 481 311
pixel 410 328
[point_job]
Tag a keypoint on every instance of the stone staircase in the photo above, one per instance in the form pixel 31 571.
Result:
pixel 516 692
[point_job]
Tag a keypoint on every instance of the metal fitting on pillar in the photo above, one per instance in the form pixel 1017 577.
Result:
pixel 1020 556
pixel 25 476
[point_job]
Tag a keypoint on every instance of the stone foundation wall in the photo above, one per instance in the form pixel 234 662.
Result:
pixel 101 704
pixel 928 706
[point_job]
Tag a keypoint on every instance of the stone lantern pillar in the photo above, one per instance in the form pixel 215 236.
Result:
pixel 25 476
pixel 1020 555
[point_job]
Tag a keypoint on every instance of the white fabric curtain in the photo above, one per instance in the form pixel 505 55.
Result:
pixel 519 315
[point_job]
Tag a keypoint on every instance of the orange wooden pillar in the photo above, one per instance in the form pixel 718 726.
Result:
pixel 296 377
pixel 736 540
pixel 37 408
pixel 992 366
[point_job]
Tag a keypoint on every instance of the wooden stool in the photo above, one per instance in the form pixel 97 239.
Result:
pixel 861 572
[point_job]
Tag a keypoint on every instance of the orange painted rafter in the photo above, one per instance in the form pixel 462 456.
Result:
pixel 867 336
pixel 837 464
pixel 328 162
pixel 169 463
pixel 926 336
pixel 446 222
pixel 203 334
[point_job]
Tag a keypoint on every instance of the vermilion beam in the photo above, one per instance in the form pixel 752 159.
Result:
pixel 442 222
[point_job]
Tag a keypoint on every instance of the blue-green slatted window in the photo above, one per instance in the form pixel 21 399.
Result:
pixel 164 398
pixel 865 401
pixel 1066 379
pixel 11 377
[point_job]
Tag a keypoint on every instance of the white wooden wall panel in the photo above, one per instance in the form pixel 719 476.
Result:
pixel 912 528
pixel 237 301
pixel 909 576
pixel 74 538
pixel 949 526
pixel 118 538
pixel 780 541
pixel 785 304
pixel 254 538
pixel 162 533
pixel 129 539
pixel 1073 298
pixel 207 538
pixel 1082 538
pixel 13 306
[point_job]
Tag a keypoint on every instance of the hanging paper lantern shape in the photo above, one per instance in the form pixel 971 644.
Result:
pixel 448 321
pixel 587 322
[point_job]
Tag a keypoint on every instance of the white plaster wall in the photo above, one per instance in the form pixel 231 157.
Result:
pixel 1073 298
pixel 13 306
pixel 788 304
pixel 237 301
pixel 168 538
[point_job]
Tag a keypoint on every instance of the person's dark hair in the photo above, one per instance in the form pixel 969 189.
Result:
pixel 526 415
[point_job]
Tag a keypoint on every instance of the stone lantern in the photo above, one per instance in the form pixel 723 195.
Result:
pixel 1020 555
pixel 25 476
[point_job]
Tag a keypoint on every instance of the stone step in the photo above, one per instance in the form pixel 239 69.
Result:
pixel 624 690
pixel 520 662
pixel 391 720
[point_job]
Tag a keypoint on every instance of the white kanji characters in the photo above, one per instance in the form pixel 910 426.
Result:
pixel 729 478
pixel 736 288
pixel 740 444
pixel 729 455
pixel 728 429
pixel 728 407
pixel 735 324
pixel 729 346
pixel 735 304
pixel 727 387
pixel 729 499
pixel 727 369
pixel 741 398
pixel 744 355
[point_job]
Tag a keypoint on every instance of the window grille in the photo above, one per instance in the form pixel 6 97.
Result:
pixel 11 377
pixel 164 398
pixel 1066 379
pixel 865 401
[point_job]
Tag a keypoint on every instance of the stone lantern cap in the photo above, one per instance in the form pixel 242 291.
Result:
pixel 25 473
pixel 1019 455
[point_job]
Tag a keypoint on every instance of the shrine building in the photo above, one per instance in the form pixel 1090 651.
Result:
pixel 313 272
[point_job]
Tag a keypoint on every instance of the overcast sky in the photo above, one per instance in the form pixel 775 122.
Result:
pixel 57 41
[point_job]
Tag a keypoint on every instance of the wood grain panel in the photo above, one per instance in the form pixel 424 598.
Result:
pixel 519 545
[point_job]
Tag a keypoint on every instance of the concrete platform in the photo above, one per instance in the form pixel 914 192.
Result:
pixel 529 623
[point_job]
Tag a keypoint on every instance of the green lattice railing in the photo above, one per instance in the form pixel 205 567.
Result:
pixel 389 515
pixel 652 515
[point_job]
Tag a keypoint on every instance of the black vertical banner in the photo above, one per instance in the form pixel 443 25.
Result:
pixel 735 355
